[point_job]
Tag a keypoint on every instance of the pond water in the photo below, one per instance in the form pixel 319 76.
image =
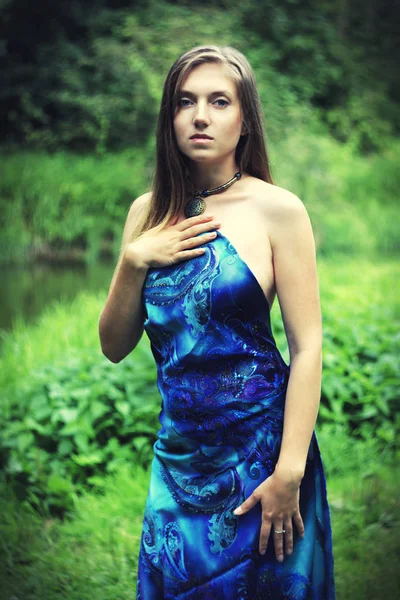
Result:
pixel 26 290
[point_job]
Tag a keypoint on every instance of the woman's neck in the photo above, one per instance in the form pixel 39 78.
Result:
pixel 206 177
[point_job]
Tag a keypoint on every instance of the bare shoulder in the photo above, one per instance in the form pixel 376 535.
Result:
pixel 277 202
pixel 140 204
pixel 282 210
pixel 136 213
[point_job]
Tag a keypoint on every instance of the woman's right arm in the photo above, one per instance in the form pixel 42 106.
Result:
pixel 121 320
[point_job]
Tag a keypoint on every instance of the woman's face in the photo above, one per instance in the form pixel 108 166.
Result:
pixel 208 104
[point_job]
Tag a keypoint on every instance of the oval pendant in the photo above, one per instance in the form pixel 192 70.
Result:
pixel 195 206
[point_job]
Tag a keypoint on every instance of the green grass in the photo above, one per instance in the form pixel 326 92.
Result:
pixel 91 553
pixel 25 348
pixel 366 515
pixel 363 493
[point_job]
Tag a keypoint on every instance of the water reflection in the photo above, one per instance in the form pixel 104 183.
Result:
pixel 27 290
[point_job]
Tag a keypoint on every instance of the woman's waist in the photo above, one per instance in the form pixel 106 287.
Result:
pixel 186 423
pixel 220 382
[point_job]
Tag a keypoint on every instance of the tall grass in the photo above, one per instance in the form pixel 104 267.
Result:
pixel 93 552
pixel 59 331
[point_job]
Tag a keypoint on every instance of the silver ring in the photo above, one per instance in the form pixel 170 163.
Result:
pixel 281 531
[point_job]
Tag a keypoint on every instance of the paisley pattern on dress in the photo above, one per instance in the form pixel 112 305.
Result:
pixel 223 384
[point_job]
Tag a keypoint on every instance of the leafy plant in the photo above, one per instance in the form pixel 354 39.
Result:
pixel 77 419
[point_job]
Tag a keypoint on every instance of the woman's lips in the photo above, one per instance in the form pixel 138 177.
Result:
pixel 200 140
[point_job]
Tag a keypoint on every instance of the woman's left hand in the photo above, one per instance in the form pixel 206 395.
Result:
pixel 279 496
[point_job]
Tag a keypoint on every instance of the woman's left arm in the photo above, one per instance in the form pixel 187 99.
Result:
pixel 296 281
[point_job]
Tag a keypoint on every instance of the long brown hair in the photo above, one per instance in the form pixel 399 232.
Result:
pixel 171 185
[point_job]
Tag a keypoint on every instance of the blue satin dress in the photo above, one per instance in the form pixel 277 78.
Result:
pixel 223 383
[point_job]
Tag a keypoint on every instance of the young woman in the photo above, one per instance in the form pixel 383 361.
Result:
pixel 237 505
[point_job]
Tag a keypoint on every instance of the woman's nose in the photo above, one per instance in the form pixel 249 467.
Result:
pixel 201 113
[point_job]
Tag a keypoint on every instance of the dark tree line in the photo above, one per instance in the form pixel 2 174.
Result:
pixel 87 74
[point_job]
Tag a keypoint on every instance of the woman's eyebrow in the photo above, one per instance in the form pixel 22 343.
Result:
pixel 187 93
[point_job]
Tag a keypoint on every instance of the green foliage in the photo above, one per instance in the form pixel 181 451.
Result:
pixel 351 199
pixel 101 89
pixel 331 56
pixel 92 83
pixel 361 347
pixel 361 314
pixel 67 414
pixel 363 485
pixel 62 330
pixel 80 88
pixel 361 385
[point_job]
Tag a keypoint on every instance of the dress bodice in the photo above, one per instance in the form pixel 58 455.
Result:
pixel 209 325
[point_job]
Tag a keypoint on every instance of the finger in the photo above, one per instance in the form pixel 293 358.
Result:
pixel 264 535
pixel 186 254
pixel 190 242
pixel 190 245
pixel 193 233
pixel 288 527
pixel 247 505
pixel 298 521
pixel 189 222
pixel 278 540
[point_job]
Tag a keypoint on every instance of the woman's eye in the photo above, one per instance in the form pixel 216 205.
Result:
pixel 181 102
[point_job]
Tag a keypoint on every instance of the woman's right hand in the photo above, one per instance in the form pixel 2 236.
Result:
pixel 174 243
